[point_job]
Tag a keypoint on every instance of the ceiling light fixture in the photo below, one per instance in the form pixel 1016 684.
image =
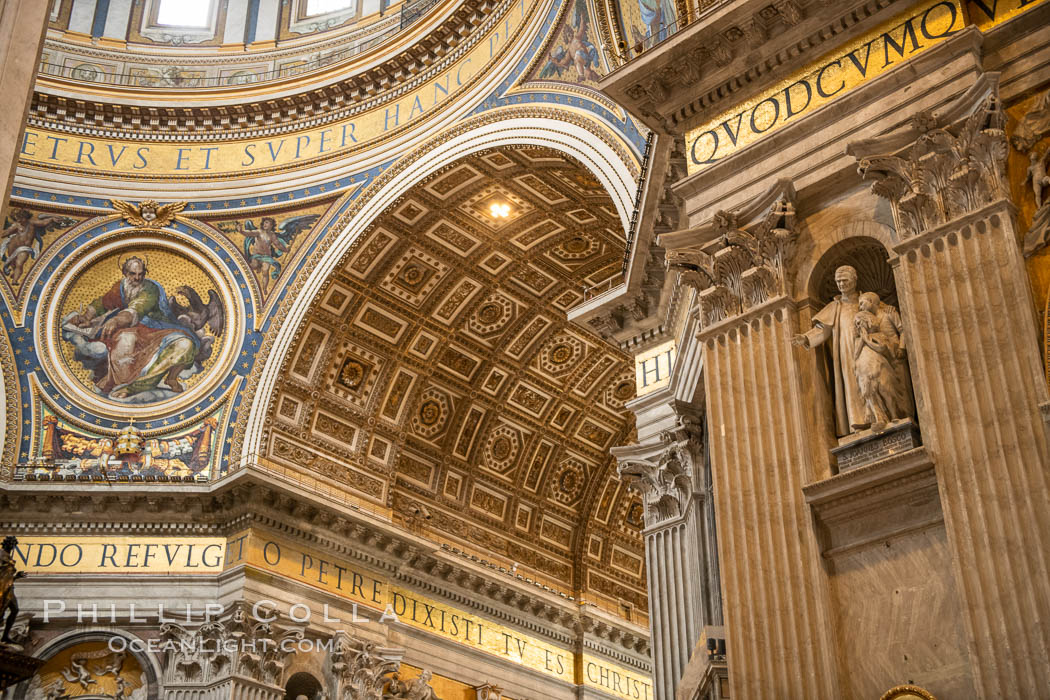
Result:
pixel 499 211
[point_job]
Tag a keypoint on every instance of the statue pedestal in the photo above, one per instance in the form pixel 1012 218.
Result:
pixel 867 446
pixel 15 666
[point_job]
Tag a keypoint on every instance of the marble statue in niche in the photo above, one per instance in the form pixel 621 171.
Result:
pixel 879 354
pixel 870 376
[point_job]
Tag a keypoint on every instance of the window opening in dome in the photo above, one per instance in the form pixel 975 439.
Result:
pixel 184 13
pixel 321 7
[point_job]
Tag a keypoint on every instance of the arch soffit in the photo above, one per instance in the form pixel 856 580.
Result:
pixel 596 154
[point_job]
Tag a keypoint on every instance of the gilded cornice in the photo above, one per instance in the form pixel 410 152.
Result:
pixel 252 497
pixel 735 49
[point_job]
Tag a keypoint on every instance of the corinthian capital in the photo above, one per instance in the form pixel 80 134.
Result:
pixel 666 470
pixel 361 668
pixel 236 644
pixel 741 258
pixel 941 166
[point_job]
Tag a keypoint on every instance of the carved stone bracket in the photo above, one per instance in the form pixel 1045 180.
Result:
pixel 742 258
pixel 940 167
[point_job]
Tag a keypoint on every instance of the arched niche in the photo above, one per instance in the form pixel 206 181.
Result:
pixel 868 257
pixel 837 243
pixel 302 685
pixel 94 664
pixel 861 245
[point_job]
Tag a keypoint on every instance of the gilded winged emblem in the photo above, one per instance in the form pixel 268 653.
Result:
pixel 149 214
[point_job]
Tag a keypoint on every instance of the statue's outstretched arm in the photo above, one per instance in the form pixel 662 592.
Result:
pixel 814 336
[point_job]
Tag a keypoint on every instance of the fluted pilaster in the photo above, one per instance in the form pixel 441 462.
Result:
pixel 980 385
pixel 778 636
pixel 974 344
pixel 672 475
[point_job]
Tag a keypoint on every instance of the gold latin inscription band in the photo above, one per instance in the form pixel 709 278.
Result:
pixel 53 149
pixel 281 557
pixel 836 74
pixel 120 555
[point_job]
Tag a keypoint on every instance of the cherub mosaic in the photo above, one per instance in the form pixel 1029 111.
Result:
pixel 23 238
pixel 135 336
pixel 574 58
pixel 267 243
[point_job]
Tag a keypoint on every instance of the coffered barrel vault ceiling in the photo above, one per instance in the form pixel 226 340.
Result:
pixel 437 368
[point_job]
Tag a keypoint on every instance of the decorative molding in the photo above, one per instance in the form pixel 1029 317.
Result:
pixel 256 497
pixel 705 66
pixel 411 67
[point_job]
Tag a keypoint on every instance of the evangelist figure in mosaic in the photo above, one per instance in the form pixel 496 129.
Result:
pixel 866 357
pixel 140 343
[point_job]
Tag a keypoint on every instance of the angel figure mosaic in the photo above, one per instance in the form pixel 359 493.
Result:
pixel 575 51
pixel 265 244
pixel 22 239
pixel 139 343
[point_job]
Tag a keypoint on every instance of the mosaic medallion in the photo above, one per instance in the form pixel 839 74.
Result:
pixel 140 325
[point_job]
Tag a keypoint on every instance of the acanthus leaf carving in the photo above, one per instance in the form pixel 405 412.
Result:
pixel 940 167
pixel 236 645
pixel 364 671
pixel 361 668
pixel 667 478
pixel 743 265
pixel 790 11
